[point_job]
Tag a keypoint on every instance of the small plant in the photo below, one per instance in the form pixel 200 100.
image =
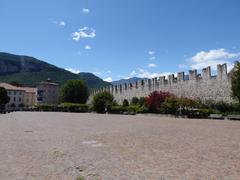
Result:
pixel 80 178
pixel 125 103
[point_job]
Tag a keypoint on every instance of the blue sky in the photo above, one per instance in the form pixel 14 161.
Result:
pixel 123 38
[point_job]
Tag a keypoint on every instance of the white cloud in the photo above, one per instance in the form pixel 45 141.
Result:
pixel 109 79
pixel 75 71
pixel 133 73
pixel 88 47
pixel 141 73
pixel 103 73
pixel 151 65
pixel 59 23
pixel 146 74
pixel 152 58
pixel 97 73
pixel 212 58
pixel 85 32
pixel 151 52
pixel 85 10
pixel 62 23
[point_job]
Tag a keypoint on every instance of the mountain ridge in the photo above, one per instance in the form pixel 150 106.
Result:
pixel 29 71
pixel 129 80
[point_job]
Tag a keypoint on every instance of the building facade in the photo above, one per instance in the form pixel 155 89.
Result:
pixel 20 97
pixel 48 92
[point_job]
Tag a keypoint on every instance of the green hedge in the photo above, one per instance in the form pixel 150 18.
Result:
pixel 73 107
pixel 117 110
pixel 199 113
pixel 64 107
pixel 132 109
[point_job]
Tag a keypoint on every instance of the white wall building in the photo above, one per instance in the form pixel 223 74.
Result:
pixel 20 97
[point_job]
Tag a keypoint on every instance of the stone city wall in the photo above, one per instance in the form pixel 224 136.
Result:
pixel 203 86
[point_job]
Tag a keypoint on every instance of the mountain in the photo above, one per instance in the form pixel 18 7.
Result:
pixel 92 80
pixel 29 71
pixel 130 80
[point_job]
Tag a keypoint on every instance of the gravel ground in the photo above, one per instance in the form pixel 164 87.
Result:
pixel 37 145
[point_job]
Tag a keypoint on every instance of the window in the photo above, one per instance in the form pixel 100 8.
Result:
pixel 40 92
pixel 14 99
pixel 15 92
pixel 20 99
pixel 40 98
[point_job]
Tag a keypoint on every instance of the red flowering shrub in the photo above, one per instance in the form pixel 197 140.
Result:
pixel 155 99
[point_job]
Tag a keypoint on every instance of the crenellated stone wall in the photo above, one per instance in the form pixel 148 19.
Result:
pixel 203 86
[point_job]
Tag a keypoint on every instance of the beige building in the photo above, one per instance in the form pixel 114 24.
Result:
pixel 20 97
pixel 48 92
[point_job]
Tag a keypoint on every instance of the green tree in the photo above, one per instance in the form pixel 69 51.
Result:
pixel 74 91
pixel 236 82
pixel 134 101
pixel 102 101
pixel 142 101
pixel 4 98
pixel 125 103
pixel 16 83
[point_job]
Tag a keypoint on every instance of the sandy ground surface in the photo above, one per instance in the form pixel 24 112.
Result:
pixel 35 145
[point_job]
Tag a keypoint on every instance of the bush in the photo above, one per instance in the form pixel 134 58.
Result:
pixel 188 103
pixel 134 101
pixel 64 107
pixel 45 107
pixel 117 109
pixel 199 113
pixel 133 109
pixel 170 106
pixel 125 103
pixel 155 99
pixel 142 101
pixel 235 81
pixel 142 110
pixel 73 107
pixel 4 99
pixel 235 107
pixel 114 103
pixel 222 107
pixel 102 101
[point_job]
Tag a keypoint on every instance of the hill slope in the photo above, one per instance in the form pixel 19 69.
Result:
pixel 130 80
pixel 29 71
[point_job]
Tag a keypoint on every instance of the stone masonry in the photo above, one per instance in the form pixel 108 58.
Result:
pixel 195 86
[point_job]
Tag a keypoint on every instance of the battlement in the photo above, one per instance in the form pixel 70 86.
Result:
pixel 192 85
